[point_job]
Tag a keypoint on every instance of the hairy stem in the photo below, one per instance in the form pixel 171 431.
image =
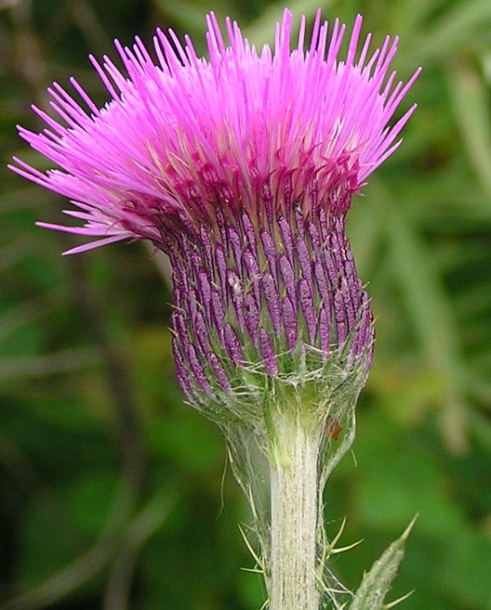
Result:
pixel 294 513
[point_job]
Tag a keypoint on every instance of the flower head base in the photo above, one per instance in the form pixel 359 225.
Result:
pixel 261 311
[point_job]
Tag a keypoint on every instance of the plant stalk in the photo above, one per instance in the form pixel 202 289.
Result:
pixel 293 583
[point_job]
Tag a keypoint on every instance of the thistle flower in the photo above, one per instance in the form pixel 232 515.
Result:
pixel 242 168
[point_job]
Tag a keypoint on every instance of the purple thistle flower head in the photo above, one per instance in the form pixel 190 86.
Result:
pixel 241 168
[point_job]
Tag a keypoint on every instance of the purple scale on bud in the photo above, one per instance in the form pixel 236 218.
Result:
pixel 219 371
pixel 232 344
pixel 286 234
pixel 269 249
pixel 314 238
pixel 354 281
pixel 218 312
pixel 304 258
pixel 350 309
pixel 237 295
pixel 267 353
pixel 348 282
pixel 289 318
pixel 340 318
pixel 196 261
pixel 179 280
pixel 254 274
pixel 183 247
pixel 191 303
pixel 178 294
pixel 221 266
pixel 207 247
pixel 267 197
pixel 235 244
pixel 324 330
pixel 288 277
pixel 205 293
pixel 272 300
pixel 197 370
pixel 324 224
pixel 222 226
pixel 251 316
pixel 307 305
pixel 179 324
pixel 364 334
pixel 201 332
pixel 321 283
pixel 182 373
pixel 329 265
pixel 250 233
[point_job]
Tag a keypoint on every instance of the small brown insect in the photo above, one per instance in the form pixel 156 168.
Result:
pixel 332 427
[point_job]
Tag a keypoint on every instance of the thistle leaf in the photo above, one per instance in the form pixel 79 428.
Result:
pixel 377 582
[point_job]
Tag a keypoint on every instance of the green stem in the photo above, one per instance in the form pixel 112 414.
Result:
pixel 294 512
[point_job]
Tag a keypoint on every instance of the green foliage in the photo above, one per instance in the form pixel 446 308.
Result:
pixel 113 493
pixel 377 581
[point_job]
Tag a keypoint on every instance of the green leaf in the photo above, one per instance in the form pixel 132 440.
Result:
pixel 377 582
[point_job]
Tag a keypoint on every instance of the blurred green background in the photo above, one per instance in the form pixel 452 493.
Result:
pixel 113 493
